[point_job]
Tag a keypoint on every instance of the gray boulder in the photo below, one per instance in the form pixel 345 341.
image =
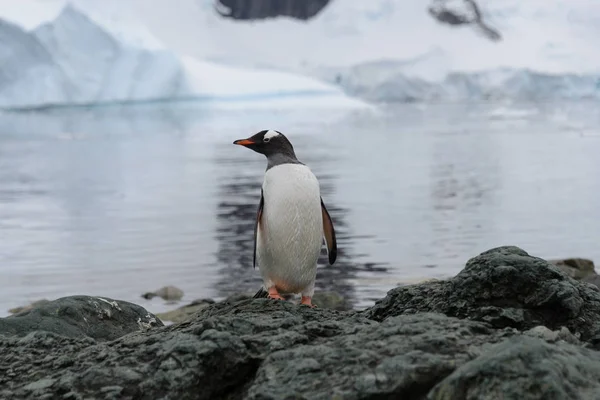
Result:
pixel 98 318
pixel 37 303
pixel 526 369
pixel 576 268
pixel 505 287
pixel 169 293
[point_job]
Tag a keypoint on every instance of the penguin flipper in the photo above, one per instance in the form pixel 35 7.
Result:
pixel 261 205
pixel 329 233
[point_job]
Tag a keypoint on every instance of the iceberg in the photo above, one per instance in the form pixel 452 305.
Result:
pixel 83 57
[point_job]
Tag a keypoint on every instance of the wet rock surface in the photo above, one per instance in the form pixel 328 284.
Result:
pixel 98 318
pixel 508 326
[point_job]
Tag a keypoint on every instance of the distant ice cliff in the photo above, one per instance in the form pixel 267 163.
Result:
pixel 81 59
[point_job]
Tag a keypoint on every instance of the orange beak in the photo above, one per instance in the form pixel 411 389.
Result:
pixel 244 142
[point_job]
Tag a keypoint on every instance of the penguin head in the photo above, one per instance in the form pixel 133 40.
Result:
pixel 270 143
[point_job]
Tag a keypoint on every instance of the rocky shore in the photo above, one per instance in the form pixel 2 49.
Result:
pixel 508 326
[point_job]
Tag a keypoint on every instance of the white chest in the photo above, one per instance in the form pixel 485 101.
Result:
pixel 291 231
pixel 291 185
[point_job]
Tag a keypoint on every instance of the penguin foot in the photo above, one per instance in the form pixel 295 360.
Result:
pixel 307 301
pixel 274 294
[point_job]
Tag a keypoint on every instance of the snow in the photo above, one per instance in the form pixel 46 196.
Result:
pixel 96 52
pixel 394 49
pixel 236 81
pixel 543 35
pixel 87 53
pixel 29 14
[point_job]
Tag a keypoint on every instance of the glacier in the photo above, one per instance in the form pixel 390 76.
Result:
pixel 86 52
pixel 390 82
pixel 69 55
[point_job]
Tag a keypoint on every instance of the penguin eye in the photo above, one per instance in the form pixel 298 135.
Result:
pixel 267 140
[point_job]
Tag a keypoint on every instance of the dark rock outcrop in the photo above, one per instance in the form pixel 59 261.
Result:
pixel 490 344
pixel 250 10
pixel 469 15
pixel 98 318
pixel 505 287
pixel 261 9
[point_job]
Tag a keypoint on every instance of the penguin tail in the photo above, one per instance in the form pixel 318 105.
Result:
pixel 262 293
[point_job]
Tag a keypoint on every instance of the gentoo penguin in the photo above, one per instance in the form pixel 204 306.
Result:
pixel 291 221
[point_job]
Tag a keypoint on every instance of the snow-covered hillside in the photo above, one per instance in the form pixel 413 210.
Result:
pixel 379 50
pixel 553 36
pixel 60 54
pixel 394 50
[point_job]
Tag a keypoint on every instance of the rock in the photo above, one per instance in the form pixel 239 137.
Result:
pixel 169 293
pixel 255 348
pixel 99 318
pixel 331 300
pixel 185 312
pixel 552 336
pixel 403 347
pixel 593 279
pixel 577 268
pixel 234 298
pixel 261 9
pixel 471 14
pixel 505 287
pixel 321 299
pixel 262 349
pixel 399 358
pixel 17 310
pixel 527 369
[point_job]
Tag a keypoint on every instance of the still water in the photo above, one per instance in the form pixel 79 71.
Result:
pixel 120 201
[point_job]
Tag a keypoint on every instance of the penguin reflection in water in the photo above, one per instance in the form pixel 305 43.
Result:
pixel 291 221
